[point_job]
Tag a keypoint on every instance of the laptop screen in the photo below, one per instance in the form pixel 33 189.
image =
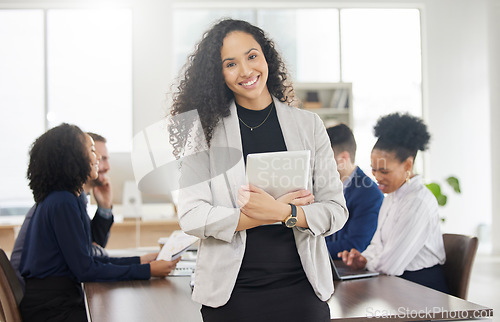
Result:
pixel 343 272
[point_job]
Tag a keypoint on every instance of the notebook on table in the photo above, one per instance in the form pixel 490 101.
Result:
pixel 175 245
pixel 342 272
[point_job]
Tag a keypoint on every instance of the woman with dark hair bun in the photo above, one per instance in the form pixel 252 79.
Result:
pixel 408 241
pixel 260 258
pixel 56 255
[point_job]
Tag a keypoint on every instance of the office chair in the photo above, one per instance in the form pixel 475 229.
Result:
pixel 460 252
pixel 11 292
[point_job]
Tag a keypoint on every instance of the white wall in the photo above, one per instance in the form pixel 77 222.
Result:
pixel 152 55
pixel 458 107
pixel 495 119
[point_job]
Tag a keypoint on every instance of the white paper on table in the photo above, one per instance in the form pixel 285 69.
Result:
pixel 177 243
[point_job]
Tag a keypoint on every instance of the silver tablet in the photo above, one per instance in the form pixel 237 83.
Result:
pixel 278 173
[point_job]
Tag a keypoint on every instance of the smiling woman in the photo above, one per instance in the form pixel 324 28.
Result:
pixel 56 252
pixel 408 240
pixel 237 83
pixel 245 71
pixel 331 43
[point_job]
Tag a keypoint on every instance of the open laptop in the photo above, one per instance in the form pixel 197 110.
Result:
pixel 342 272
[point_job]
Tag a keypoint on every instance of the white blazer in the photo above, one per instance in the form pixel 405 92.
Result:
pixel 208 209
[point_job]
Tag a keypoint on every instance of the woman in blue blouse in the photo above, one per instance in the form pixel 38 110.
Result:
pixel 56 255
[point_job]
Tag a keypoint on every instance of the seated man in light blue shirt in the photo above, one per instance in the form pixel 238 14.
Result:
pixel 362 196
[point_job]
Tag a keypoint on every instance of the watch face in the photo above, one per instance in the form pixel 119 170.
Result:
pixel 291 222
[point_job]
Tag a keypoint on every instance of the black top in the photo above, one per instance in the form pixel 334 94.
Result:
pixel 271 259
pixel 265 138
pixel 271 284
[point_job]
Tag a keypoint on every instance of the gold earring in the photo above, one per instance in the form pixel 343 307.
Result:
pixel 408 173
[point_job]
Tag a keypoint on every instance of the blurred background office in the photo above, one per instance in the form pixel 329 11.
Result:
pixel 67 60
pixel 63 60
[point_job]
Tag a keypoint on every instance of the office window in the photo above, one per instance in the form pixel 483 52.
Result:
pixel 21 98
pixel 90 72
pixel 308 40
pixel 381 56
pixel 60 65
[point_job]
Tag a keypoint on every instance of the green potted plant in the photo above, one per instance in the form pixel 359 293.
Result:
pixel 435 188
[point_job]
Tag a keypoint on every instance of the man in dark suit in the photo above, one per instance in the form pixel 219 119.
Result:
pixel 362 196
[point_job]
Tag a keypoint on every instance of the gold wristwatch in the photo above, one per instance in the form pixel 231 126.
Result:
pixel 291 220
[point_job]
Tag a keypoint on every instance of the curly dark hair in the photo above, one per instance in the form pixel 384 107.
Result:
pixel 403 134
pixel 202 87
pixel 59 160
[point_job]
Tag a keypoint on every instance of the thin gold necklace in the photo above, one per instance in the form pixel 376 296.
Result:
pixel 254 127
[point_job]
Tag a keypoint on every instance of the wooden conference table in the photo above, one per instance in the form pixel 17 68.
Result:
pixel 169 300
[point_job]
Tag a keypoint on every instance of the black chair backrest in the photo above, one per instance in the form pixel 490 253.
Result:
pixel 11 292
pixel 460 252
